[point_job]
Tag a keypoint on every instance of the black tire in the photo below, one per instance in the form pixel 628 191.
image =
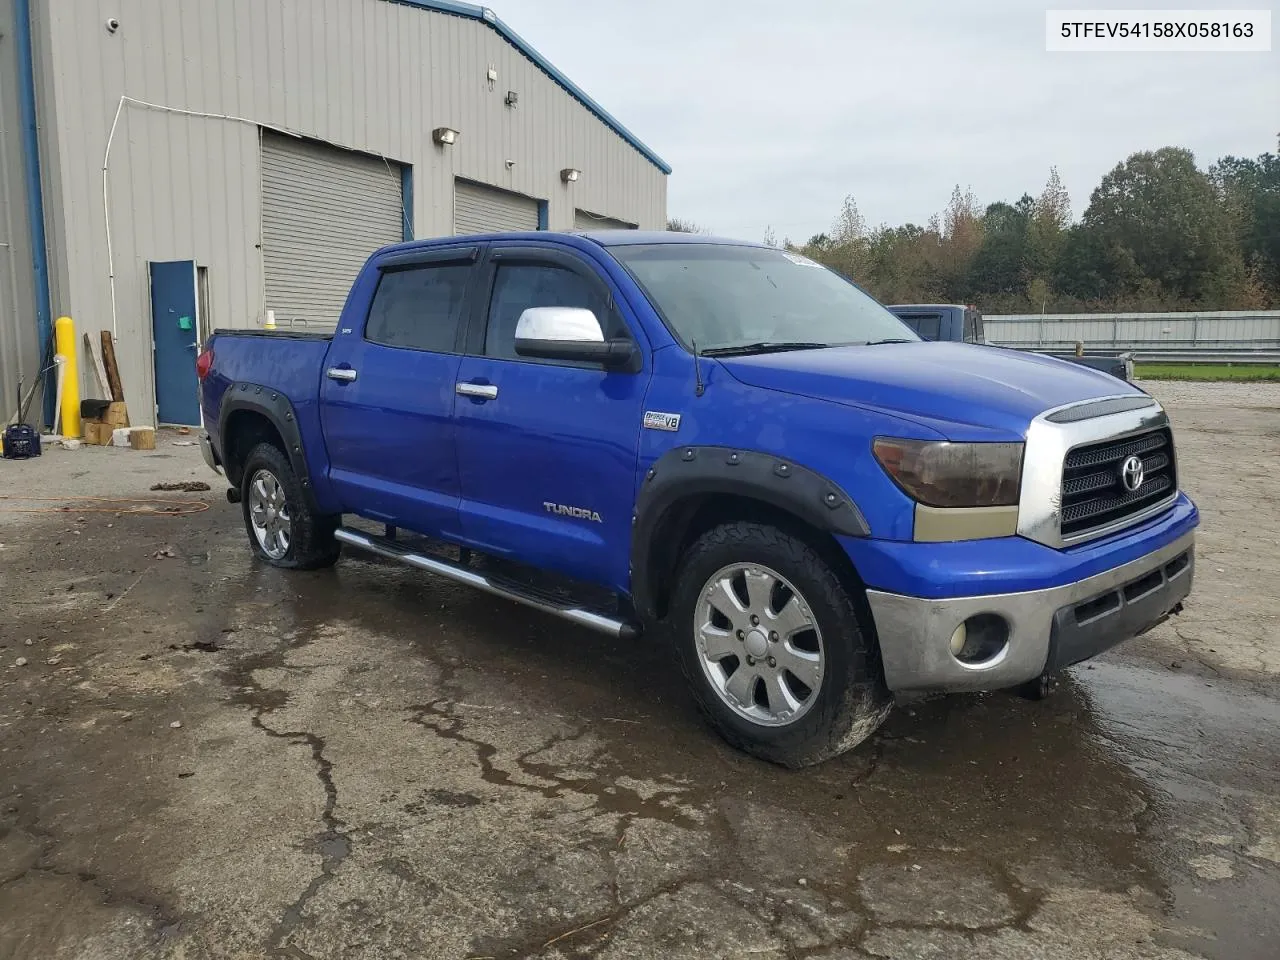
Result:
pixel 852 699
pixel 311 542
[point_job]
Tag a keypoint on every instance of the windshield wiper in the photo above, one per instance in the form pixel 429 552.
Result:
pixel 876 343
pixel 763 346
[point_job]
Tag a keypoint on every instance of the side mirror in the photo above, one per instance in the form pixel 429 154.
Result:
pixel 569 333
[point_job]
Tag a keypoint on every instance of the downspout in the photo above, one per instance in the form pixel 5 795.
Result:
pixel 31 170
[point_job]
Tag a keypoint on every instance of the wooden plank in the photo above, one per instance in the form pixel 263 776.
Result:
pixel 116 415
pixel 97 433
pixel 113 371
pixel 99 373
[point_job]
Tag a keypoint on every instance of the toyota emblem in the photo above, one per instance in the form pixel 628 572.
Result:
pixel 1131 473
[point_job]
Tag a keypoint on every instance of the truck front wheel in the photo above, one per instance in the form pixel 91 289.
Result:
pixel 283 529
pixel 773 647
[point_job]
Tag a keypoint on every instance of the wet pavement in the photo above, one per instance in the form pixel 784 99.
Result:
pixel 207 757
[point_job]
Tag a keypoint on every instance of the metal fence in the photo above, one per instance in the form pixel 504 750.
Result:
pixel 1219 336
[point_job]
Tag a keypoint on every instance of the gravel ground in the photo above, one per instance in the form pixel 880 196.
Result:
pixel 90 471
pixel 1228 445
pixel 1264 395
pixel 203 757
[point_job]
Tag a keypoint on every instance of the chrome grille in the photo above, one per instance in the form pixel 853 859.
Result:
pixel 1093 491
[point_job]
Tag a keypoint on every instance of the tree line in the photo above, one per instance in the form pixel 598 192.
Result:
pixel 1158 234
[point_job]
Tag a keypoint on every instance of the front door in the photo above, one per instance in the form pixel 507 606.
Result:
pixel 387 393
pixel 175 331
pixel 547 449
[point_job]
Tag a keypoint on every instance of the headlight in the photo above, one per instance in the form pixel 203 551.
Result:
pixel 944 474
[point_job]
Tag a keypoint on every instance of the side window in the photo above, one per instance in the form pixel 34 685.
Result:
pixel 518 286
pixel 419 307
pixel 928 326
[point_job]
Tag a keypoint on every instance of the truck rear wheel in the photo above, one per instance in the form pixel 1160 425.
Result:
pixel 283 530
pixel 773 647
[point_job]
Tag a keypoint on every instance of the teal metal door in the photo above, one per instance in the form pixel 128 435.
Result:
pixel 175 331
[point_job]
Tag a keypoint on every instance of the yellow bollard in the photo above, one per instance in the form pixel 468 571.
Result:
pixel 64 335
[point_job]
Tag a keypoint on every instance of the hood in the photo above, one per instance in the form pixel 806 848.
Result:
pixel 953 387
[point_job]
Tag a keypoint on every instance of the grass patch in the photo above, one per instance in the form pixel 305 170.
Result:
pixel 1206 371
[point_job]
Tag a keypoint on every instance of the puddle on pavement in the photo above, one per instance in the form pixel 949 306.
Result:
pixel 1206 751
pixel 1221 733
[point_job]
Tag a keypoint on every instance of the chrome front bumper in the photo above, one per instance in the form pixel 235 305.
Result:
pixel 206 451
pixel 1048 628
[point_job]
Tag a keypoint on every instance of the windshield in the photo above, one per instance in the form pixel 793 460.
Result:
pixel 724 297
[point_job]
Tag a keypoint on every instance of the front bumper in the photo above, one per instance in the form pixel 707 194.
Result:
pixel 1048 629
pixel 206 451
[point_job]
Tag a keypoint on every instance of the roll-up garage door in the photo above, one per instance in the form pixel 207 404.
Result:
pixel 582 220
pixel 481 209
pixel 324 210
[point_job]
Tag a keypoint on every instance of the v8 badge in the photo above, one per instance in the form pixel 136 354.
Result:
pixel 656 420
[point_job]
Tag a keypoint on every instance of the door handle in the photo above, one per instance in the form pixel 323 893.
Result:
pixel 483 391
pixel 342 374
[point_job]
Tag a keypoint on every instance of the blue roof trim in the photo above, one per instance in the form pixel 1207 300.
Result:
pixel 487 16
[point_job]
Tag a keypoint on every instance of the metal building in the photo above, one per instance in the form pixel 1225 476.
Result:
pixel 168 166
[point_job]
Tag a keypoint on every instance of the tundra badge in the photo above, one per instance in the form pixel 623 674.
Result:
pixel 654 420
pixel 579 513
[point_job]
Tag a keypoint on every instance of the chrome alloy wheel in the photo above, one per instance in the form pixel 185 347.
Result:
pixel 759 644
pixel 269 514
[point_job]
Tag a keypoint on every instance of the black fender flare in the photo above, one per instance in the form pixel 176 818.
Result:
pixel 278 411
pixel 692 471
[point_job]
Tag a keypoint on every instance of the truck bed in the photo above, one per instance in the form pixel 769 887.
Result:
pixel 284 362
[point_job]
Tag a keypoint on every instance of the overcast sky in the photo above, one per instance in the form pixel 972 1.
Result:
pixel 770 111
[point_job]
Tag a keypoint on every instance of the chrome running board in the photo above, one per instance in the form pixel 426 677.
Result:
pixel 509 589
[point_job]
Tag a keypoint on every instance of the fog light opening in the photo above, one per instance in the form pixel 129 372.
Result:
pixel 980 640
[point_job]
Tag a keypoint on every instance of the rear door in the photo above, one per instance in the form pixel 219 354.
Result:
pixel 547 449
pixel 387 392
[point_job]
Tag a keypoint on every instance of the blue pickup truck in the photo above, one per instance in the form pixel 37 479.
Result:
pixel 717 446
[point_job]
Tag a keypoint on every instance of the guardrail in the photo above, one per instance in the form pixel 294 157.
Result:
pixel 1201 337
pixel 1229 357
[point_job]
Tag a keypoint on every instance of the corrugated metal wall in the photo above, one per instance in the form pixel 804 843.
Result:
pixel 1151 333
pixel 19 351
pixel 369 75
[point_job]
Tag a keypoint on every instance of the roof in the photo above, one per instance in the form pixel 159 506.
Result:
pixel 486 16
